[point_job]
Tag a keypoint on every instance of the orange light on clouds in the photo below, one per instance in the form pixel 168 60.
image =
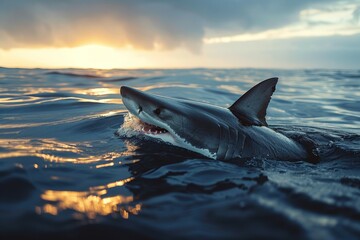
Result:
pixel 88 56
pixel 100 57
pixel 135 34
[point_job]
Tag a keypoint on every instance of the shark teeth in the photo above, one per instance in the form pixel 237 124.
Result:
pixel 151 131
pixel 154 132
pixel 147 128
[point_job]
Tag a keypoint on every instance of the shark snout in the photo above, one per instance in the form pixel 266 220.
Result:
pixel 126 91
pixel 137 101
pixel 131 99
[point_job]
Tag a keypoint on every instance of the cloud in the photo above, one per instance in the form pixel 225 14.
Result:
pixel 339 19
pixel 143 24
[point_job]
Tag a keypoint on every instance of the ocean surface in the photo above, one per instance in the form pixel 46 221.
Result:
pixel 66 173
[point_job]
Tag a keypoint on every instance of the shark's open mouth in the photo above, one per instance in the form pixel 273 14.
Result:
pixel 151 129
pixel 138 125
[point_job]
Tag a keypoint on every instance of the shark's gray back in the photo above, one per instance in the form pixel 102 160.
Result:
pixel 237 140
pixel 265 142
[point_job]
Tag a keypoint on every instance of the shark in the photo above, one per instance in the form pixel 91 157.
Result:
pixel 240 131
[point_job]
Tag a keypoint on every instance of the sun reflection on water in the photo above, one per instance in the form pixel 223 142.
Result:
pixel 97 91
pixel 87 204
pixel 111 185
pixel 43 149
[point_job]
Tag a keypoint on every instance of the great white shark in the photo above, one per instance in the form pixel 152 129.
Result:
pixel 216 132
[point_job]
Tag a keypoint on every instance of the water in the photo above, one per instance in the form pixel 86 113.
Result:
pixel 64 172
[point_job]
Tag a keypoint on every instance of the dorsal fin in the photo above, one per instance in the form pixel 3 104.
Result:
pixel 251 107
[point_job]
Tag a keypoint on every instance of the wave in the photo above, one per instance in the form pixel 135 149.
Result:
pixel 77 168
pixel 118 79
pixel 15 185
pixel 98 124
pixel 50 106
pixel 101 78
pixel 70 74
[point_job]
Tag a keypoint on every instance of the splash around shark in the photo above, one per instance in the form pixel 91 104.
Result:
pixel 215 132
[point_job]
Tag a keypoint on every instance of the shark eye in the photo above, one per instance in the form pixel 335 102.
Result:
pixel 157 111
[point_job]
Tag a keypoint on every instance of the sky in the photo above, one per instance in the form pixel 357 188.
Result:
pixel 180 34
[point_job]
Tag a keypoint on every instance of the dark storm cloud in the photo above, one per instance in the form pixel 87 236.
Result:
pixel 143 24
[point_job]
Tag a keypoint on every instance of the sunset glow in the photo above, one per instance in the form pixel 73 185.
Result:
pixel 134 35
pixel 88 56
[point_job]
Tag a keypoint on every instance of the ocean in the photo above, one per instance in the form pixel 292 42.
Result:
pixel 65 172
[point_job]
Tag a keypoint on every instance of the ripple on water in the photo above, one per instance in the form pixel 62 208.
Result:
pixel 15 185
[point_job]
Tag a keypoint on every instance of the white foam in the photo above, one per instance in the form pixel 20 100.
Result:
pixel 131 126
